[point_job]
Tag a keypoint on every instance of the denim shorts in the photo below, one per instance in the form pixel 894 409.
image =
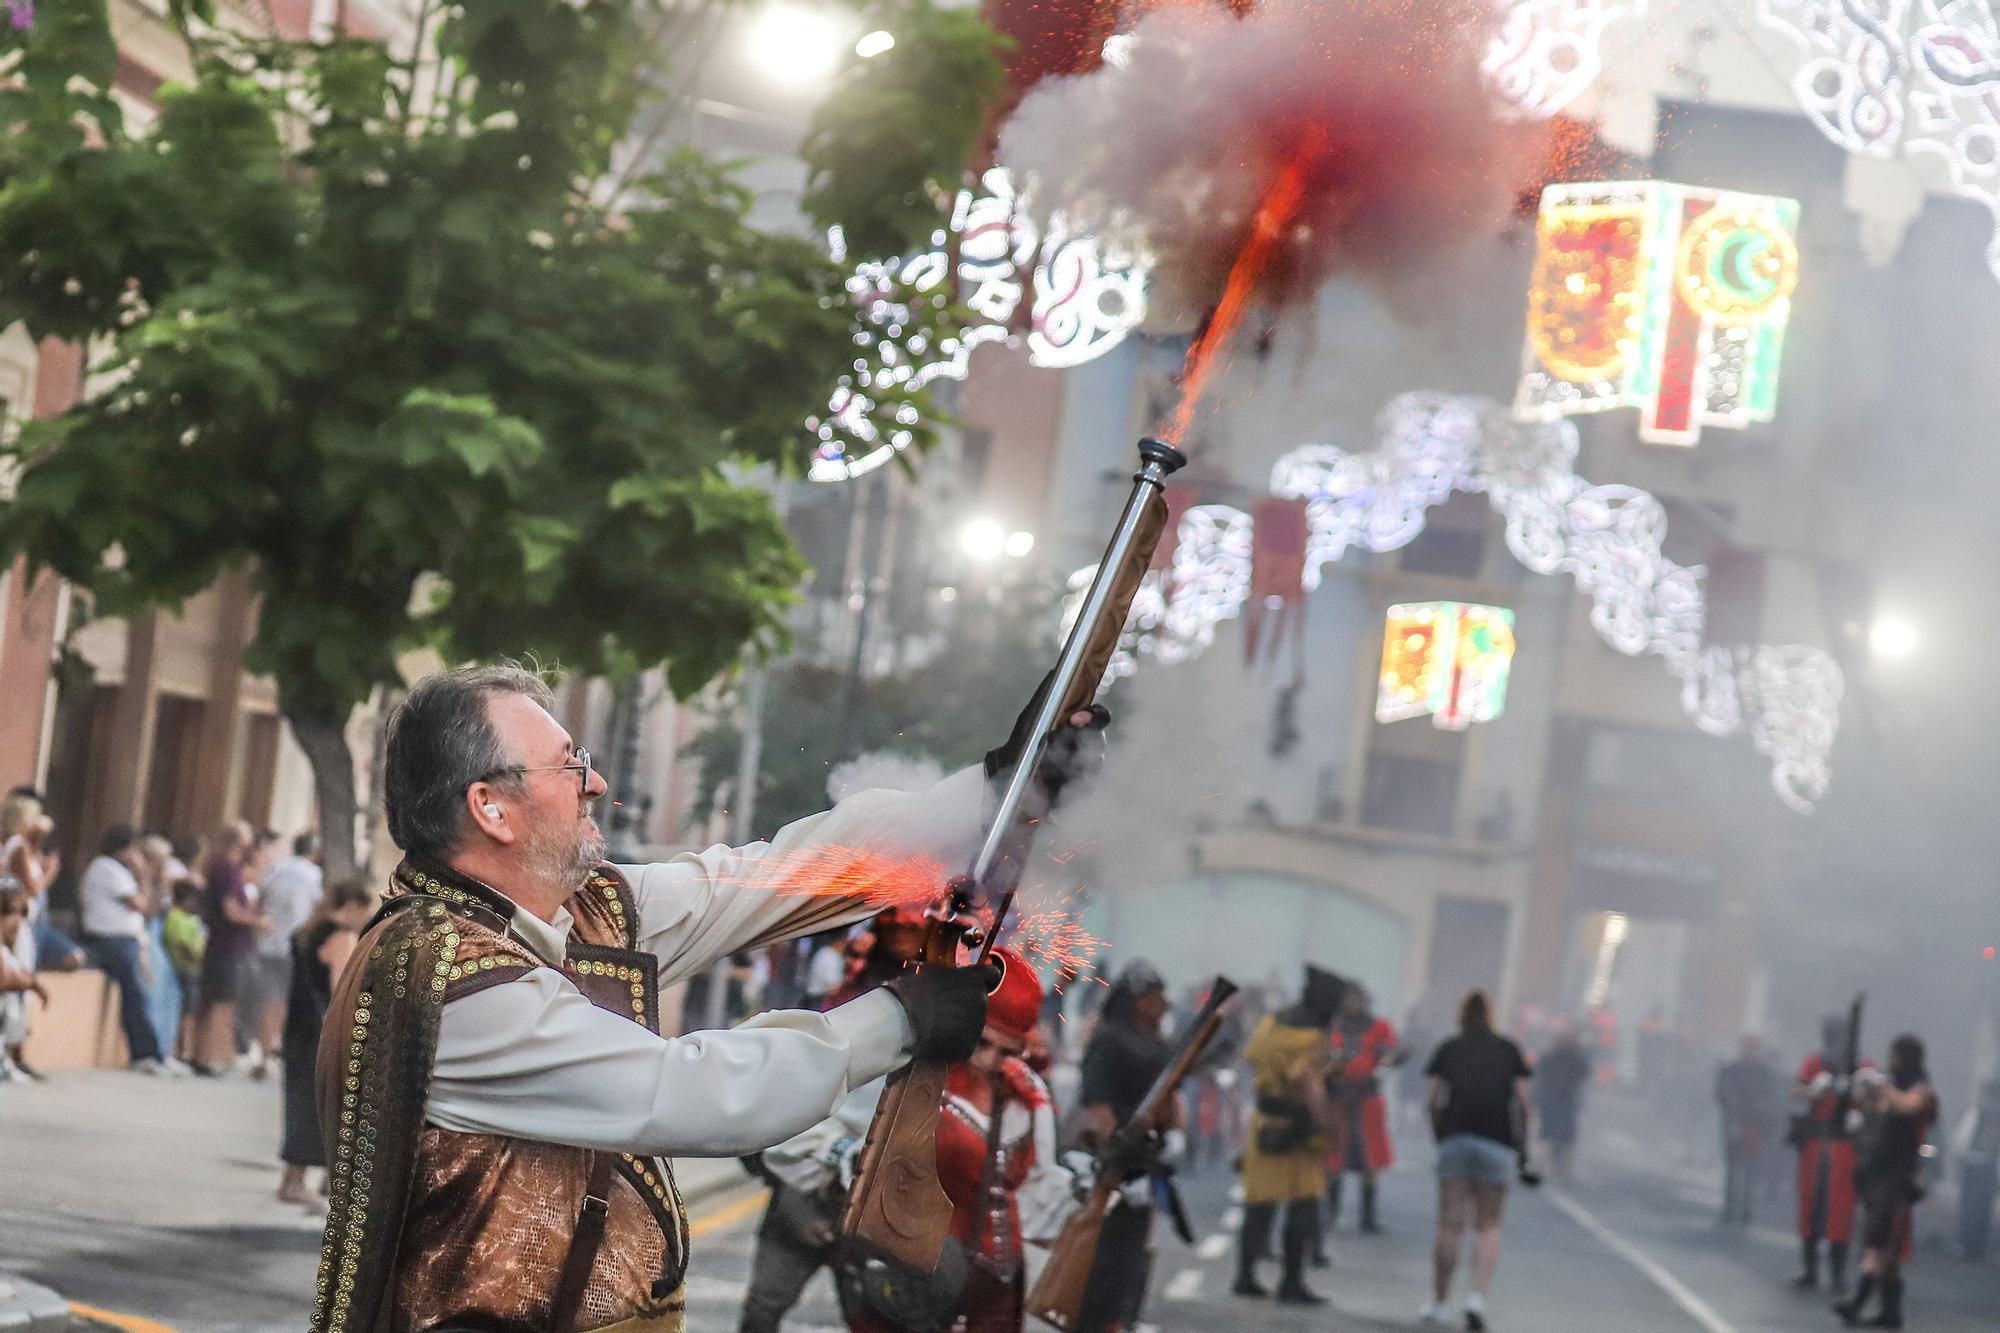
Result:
pixel 1476 1158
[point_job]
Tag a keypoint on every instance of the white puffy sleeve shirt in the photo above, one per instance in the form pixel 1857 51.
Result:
pixel 535 1059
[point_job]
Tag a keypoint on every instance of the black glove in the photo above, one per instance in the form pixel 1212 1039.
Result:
pixel 1074 751
pixel 946 1008
pixel 1129 1156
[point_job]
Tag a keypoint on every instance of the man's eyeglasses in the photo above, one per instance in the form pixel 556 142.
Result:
pixel 579 763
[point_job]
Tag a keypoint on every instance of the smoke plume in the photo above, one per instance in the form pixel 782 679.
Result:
pixel 1382 104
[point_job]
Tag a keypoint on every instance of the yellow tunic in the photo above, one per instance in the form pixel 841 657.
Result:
pixel 1283 1060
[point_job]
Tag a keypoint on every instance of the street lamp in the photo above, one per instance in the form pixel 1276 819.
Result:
pixel 983 539
pixel 795 45
pixel 1892 638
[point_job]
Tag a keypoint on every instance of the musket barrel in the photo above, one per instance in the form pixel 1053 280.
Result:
pixel 1158 461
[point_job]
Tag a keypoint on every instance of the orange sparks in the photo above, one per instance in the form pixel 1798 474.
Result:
pixel 833 871
pixel 1267 231
pixel 1058 939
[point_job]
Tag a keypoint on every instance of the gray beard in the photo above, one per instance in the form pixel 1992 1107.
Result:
pixel 564 861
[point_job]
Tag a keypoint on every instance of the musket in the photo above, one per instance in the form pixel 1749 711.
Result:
pixel 1851 1062
pixel 1058 1292
pixel 896 1207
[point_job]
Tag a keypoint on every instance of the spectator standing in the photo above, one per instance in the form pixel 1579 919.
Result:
pixel 114 936
pixel 320 948
pixel 24 835
pixel 17 978
pixel 1561 1076
pixel 230 912
pixel 1479 1114
pixel 288 893
pixel 1744 1091
pixel 163 990
pixel 186 939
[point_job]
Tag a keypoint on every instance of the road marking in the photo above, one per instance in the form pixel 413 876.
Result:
pixel 1677 1291
pixel 1186 1285
pixel 729 1214
pixel 1214 1247
pixel 1232 1219
pixel 132 1323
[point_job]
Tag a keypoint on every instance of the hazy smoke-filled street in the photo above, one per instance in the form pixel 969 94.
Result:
pixel 961 666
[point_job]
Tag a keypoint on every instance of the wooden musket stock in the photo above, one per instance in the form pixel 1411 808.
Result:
pixel 897 1206
pixel 1058 1293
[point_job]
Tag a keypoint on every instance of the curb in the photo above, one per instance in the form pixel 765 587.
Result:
pixel 27 1305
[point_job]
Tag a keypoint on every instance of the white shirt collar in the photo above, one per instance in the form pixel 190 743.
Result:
pixel 549 939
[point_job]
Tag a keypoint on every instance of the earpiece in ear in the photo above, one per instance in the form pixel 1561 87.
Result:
pixel 492 811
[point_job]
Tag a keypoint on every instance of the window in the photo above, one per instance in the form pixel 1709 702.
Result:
pixel 1409 794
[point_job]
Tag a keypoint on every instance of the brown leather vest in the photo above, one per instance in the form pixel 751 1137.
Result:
pixel 434 1229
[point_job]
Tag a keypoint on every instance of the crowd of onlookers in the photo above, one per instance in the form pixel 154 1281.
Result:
pixel 222 951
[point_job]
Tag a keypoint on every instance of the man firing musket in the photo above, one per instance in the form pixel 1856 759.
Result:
pixel 498 1100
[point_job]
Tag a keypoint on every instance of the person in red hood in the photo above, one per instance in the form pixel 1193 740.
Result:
pixel 997 1163
pixel 1365 1046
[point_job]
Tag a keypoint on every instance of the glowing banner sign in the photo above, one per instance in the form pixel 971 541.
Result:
pixel 1669 298
pixel 1447 660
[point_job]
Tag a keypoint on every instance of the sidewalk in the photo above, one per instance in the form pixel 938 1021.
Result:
pixel 157 1197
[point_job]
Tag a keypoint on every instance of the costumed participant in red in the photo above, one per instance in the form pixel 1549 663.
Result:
pixel 1900 1110
pixel 997 1163
pixel 498 1102
pixel 1826 1158
pixel 796 1238
pixel 1363 1046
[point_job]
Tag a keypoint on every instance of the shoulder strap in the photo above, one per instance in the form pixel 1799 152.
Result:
pixel 584 1244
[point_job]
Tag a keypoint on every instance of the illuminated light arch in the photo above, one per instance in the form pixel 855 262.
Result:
pixel 1920 78
pixel 1608 538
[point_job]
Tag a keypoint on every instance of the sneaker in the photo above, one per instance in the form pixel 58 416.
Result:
pixel 1437 1314
pixel 26 1072
pixel 176 1068
pixel 1475 1313
pixel 13 1073
pixel 151 1065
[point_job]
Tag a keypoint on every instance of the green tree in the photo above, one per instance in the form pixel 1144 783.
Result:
pixel 384 332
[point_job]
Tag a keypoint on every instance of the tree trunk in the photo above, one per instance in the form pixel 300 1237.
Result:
pixel 323 737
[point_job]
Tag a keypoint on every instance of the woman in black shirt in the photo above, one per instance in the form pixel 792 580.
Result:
pixel 1479 1115
pixel 319 950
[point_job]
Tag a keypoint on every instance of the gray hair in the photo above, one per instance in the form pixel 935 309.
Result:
pixel 441 741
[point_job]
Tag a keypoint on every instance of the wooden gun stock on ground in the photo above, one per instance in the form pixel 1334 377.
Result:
pixel 1058 1293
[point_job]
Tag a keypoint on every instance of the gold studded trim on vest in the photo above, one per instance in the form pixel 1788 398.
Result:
pixel 375 1059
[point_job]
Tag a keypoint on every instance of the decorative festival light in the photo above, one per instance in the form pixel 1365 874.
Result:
pixel 1547 51
pixel 1085 295
pixel 1669 298
pixel 1447 661
pixel 1915 77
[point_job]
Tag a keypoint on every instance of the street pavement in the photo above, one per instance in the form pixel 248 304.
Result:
pixel 154 1199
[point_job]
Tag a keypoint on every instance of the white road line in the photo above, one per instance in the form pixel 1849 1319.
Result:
pixel 1212 1248
pixel 1232 1219
pixel 1186 1285
pixel 1676 1290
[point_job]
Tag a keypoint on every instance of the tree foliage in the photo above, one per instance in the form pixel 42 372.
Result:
pixel 881 183
pixel 375 330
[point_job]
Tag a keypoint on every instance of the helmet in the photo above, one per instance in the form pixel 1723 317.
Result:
pixel 1015 1006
